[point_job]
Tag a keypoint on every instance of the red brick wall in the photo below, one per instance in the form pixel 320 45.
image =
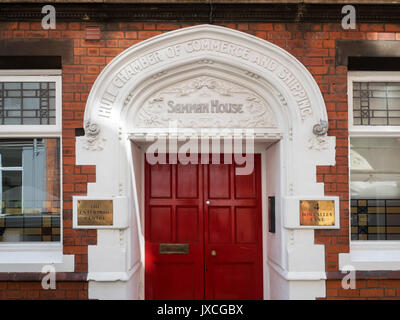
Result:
pixel 312 44
pixel 33 290
pixel 371 289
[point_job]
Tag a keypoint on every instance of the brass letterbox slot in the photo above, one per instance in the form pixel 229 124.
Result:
pixel 173 248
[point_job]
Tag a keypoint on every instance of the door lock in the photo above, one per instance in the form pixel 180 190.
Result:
pixel 213 253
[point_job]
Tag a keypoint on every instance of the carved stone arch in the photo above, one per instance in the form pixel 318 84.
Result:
pixel 210 58
pixel 257 58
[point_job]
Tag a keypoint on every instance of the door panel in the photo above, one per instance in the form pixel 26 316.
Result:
pixel 219 225
pixel 233 280
pixel 175 281
pixel 230 226
pixel 187 224
pixel 218 182
pixel 245 186
pixel 187 181
pixel 246 225
pixel 174 216
pixel 160 223
pixel 233 253
pixel 160 181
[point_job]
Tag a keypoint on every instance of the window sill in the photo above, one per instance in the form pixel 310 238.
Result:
pixel 372 255
pixel 44 253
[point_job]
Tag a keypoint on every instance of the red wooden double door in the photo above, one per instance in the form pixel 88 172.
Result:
pixel 212 218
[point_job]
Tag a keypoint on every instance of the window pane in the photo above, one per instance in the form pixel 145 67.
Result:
pixel 27 103
pixel 375 188
pixel 31 192
pixel 376 103
pixel 12 192
pixel 10 155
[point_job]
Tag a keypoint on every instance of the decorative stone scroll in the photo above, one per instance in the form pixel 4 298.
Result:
pixel 205 100
pixel 321 128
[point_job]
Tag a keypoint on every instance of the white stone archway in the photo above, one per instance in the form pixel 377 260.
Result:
pixel 128 102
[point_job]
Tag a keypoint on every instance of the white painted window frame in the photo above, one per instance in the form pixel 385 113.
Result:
pixel 370 255
pixel 370 76
pixel 40 76
pixel 29 255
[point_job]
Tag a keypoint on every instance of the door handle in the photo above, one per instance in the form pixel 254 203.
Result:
pixel 213 253
pixel 208 202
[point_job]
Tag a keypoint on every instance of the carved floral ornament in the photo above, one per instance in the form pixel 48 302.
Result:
pixel 205 102
pixel 318 143
pixel 93 140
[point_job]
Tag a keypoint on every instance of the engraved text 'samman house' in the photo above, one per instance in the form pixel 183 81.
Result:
pixel 88 106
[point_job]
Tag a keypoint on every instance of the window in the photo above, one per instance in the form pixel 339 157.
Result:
pixel 30 190
pixel 374 129
pixel 27 103
pixel 30 104
pixel 376 103
pixel 375 188
pixel 30 176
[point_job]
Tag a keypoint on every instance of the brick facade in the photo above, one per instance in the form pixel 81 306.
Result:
pixel 369 289
pixel 33 290
pixel 313 44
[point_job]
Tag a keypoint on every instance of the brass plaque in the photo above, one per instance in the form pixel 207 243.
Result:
pixel 95 212
pixel 317 212
pixel 173 248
